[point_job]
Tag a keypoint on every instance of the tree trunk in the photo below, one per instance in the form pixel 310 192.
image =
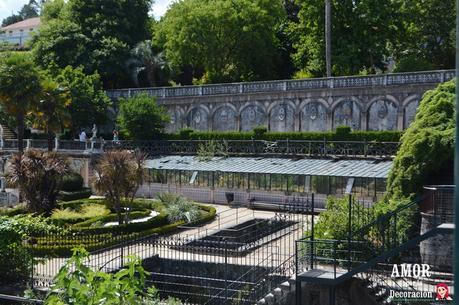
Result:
pixel 20 122
pixel 50 140
pixel 328 37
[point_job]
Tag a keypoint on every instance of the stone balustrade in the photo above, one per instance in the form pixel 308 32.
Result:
pixel 373 102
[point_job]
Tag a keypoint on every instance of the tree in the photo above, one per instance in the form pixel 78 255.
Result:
pixel 362 29
pixel 118 175
pixel 427 145
pixel 144 59
pixel 78 284
pixel 230 40
pixel 141 119
pixel 52 111
pixel 427 33
pixel 94 34
pixel 38 176
pixel 19 88
pixel 89 101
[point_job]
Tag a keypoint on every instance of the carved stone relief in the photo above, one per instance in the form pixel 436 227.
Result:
pixel 347 113
pixel 251 117
pixel 197 119
pixel 282 118
pixel 314 117
pixel 224 119
pixel 409 113
pixel 382 115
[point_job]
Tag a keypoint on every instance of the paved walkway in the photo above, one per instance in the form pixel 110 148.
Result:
pixel 268 251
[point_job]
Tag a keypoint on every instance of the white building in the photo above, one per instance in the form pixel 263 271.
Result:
pixel 20 32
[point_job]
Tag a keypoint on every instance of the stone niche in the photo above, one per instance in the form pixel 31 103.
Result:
pixel 282 118
pixel 409 113
pixel 382 115
pixel 251 117
pixel 314 117
pixel 224 119
pixel 347 113
pixel 198 119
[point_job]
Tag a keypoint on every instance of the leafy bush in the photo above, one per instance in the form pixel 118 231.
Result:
pixel 427 145
pixel 72 182
pixel 179 208
pixel 15 259
pixel 140 118
pixel 76 281
pixel 70 196
pixel 259 132
pixel 333 222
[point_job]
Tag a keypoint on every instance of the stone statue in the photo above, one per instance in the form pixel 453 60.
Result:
pixel 94 132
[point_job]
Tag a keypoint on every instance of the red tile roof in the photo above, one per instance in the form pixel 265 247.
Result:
pixel 28 23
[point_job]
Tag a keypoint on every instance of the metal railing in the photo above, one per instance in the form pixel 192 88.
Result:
pixel 426 77
pixel 320 149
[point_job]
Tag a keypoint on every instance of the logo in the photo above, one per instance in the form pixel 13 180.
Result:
pixel 417 272
pixel 442 292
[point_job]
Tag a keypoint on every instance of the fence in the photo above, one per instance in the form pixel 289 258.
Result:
pixel 319 149
pixel 239 257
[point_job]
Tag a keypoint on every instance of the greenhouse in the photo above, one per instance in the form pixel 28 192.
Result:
pixel 267 179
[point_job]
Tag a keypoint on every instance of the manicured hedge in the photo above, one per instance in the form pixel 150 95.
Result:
pixel 99 238
pixel 70 196
pixel 377 136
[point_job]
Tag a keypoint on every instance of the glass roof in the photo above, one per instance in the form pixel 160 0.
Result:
pixel 309 167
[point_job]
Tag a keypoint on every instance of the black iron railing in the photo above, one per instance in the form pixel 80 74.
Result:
pixel 319 149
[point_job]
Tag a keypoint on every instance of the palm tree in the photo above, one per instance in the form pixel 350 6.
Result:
pixel 118 175
pixel 143 58
pixel 52 111
pixel 38 175
pixel 19 88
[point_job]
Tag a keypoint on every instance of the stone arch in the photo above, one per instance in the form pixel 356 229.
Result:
pixel 252 115
pixel 410 107
pixel 282 116
pixel 347 112
pixel 313 116
pixel 176 119
pixel 197 118
pixel 224 118
pixel 382 113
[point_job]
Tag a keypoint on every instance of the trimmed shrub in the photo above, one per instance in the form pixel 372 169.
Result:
pixel 369 136
pixel 72 182
pixel 70 196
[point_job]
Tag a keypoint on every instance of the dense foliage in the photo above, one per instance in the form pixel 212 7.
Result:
pixel 38 175
pixel 360 32
pixel 179 208
pixel 97 35
pixel 140 118
pixel 230 40
pixel 19 88
pixel 427 144
pixel 89 102
pixel 78 284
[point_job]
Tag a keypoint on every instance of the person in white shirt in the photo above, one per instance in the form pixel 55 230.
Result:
pixel 83 136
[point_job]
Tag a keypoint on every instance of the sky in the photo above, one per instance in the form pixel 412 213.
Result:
pixel 9 6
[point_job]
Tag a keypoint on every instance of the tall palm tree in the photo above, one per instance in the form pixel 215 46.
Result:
pixel 19 88
pixel 52 111
pixel 143 58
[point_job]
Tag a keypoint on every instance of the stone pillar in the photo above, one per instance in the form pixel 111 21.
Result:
pixel 297 126
pixel 329 119
pixel 400 119
pixel 364 120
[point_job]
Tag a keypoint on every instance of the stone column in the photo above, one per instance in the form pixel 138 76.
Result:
pixel 364 120
pixel 400 119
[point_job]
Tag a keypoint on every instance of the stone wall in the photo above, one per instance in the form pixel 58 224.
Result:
pixel 378 102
